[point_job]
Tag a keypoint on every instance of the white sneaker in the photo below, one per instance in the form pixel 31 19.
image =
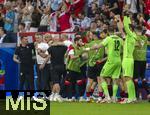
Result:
pixel 106 100
pixel 88 99
pixel 51 97
pixel 114 99
pixel 58 98
pixel 65 99
pixel 37 99
pixel 74 99
pixel 81 99
pixel 20 98
pixel 94 98
pixel 69 100
pixel 99 100
pixel 128 101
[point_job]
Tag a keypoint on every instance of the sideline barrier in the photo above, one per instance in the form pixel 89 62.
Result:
pixel 9 78
pixel 31 34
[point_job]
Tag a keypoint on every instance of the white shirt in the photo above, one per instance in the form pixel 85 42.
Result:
pixel 2 38
pixel 133 3
pixel 89 3
pixel 86 23
pixel 67 43
pixel 42 46
pixel 44 20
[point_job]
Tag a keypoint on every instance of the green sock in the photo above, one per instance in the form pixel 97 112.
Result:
pixel 115 89
pixel 131 89
pixel 134 94
pixel 105 88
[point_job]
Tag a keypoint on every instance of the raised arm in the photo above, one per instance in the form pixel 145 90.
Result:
pixel 126 22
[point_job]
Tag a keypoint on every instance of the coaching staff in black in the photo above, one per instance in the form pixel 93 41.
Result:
pixel 57 53
pixel 24 56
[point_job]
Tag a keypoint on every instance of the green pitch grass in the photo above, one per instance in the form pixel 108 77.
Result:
pixel 99 109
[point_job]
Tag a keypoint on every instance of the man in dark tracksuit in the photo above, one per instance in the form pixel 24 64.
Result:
pixel 23 56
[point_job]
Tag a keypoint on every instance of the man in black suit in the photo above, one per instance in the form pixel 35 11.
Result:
pixel 4 38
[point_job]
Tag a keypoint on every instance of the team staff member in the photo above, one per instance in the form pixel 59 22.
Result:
pixel 57 53
pixel 24 56
pixel 43 64
pixel 140 58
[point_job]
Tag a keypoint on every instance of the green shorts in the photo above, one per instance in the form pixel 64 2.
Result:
pixel 128 67
pixel 111 69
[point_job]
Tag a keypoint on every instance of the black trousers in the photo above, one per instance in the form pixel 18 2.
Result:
pixel 43 77
pixel 27 80
pixel 42 29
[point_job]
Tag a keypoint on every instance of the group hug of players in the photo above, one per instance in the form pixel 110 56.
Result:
pixel 112 61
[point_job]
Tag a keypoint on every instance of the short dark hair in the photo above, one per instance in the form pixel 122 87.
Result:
pixel 139 28
pixel 77 38
pixel 111 29
pixel 22 24
pixel 21 37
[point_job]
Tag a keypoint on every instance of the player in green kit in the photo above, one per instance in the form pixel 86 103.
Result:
pixel 74 76
pixel 95 63
pixel 128 61
pixel 112 67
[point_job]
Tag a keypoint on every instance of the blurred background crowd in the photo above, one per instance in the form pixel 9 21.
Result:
pixel 68 15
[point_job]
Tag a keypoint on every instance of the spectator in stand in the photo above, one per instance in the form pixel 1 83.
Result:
pixel 133 7
pixel 44 19
pixel 113 5
pixel 93 27
pixel 15 9
pixel 99 25
pixel 85 21
pixel 1 15
pixel 27 13
pixel 4 38
pixel 100 2
pixel 146 4
pixel 89 5
pixel 94 10
pixel 65 20
pixel 36 18
pixel 9 18
pixel 53 21
pixel 21 27
pixel 56 5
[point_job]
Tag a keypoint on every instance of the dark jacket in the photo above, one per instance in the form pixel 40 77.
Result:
pixel 7 39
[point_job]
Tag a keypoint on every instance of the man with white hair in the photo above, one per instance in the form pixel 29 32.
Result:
pixel 43 64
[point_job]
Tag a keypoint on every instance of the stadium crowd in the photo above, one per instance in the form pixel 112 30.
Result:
pixel 105 48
